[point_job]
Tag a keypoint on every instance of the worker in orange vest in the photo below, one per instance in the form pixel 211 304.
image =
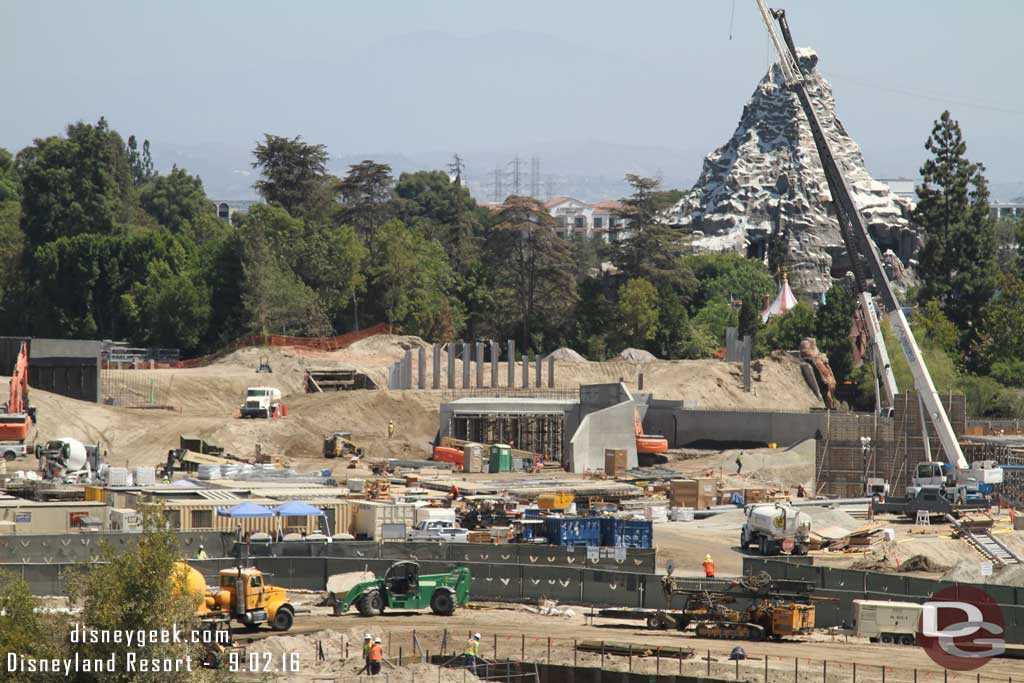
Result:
pixel 709 567
pixel 376 657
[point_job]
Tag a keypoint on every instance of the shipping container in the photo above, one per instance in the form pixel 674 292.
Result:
pixel 627 533
pixel 570 531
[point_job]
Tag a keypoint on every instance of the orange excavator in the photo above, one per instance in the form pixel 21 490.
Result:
pixel 647 443
pixel 17 417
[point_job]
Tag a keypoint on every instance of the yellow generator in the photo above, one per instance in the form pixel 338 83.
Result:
pixel 792 619
pixel 555 501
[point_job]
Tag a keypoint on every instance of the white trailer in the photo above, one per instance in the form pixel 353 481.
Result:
pixel 886 622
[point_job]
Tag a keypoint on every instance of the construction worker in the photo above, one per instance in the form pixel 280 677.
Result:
pixel 472 653
pixel 391 428
pixel 376 656
pixel 739 463
pixel 201 554
pixel 367 644
pixel 709 567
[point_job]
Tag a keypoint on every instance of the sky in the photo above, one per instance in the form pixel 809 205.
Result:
pixel 590 86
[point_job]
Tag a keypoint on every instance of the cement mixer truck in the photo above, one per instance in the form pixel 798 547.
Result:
pixel 775 528
pixel 67 459
pixel 242 595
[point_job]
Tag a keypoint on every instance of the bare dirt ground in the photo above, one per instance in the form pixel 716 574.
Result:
pixel 204 401
pixel 509 632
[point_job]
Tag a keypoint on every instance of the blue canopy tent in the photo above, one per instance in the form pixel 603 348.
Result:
pixel 297 508
pixel 245 511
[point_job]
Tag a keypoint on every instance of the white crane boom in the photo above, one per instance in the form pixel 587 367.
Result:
pixel 857 241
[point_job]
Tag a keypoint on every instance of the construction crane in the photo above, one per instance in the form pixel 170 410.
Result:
pixel 859 244
pixel 18 416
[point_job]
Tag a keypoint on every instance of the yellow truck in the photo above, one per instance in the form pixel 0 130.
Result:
pixel 242 595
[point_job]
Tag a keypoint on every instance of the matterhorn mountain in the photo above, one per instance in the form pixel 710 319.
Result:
pixel 768 177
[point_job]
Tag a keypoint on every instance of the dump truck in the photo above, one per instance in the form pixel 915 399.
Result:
pixel 404 588
pixel 775 528
pixel 886 622
pixel 261 402
pixel 340 444
pixel 243 596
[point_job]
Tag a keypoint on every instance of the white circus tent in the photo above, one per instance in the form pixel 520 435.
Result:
pixel 784 301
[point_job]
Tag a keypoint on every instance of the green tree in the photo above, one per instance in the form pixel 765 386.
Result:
pixel 444 211
pixel 137 590
pixel 12 239
pixel 786 331
pixel 411 278
pixel 832 325
pixel 714 317
pixel 729 277
pixel 673 331
pixel 532 267
pixel 638 309
pixel 26 632
pixel 749 320
pixel 365 195
pixel 140 164
pixel 652 248
pixel 178 202
pixel 74 185
pixel 168 308
pixel 958 262
pixel 931 322
pixel 292 172
pixel 274 298
pixel 1001 340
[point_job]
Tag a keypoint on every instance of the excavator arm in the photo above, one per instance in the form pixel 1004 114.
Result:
pixel 860 247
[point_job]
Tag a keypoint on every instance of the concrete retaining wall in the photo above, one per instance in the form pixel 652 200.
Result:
pixel 684 426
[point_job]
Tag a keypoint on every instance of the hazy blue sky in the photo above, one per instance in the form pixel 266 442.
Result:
pixel 481 77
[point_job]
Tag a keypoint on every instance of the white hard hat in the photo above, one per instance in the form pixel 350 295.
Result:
pixel 476 636
pixel 367 636
pixel 377 639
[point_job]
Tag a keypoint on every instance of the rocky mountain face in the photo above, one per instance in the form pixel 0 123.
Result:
pixel 768 177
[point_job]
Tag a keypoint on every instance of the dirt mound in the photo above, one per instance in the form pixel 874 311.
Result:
pixel 637 356
pixel 567 355
pixel 929 555
pixel 822 517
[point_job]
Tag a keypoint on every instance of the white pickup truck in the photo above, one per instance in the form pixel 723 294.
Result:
pixel 438 530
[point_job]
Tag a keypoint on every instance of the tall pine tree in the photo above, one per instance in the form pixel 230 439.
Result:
pixel 958 262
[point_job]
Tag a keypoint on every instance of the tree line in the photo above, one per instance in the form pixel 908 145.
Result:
pixel 94 243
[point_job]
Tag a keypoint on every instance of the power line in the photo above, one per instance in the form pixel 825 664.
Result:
pixel 926 96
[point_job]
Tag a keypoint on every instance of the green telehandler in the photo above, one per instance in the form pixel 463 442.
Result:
pixel 403 588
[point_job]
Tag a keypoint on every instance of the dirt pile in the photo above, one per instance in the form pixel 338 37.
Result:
pixel 928 554
pixel 637 356
pixel 566 354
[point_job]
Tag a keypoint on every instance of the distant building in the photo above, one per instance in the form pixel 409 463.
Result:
pixel 902 187
pixel 1007 209
pixel 576 217
pixel 226 208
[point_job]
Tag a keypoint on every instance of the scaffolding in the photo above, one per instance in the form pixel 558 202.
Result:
pixel 535 432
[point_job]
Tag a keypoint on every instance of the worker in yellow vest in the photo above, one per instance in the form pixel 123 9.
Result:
pixel 367 644
pixel 472 652
pixel 709 567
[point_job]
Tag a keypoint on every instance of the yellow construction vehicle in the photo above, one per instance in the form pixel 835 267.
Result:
pixel 242 595
pixel 340 444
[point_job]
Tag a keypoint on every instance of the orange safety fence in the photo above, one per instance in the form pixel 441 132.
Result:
pixel 307 343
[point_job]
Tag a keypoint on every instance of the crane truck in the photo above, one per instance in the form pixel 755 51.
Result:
pixel 18 415
pixel 959 476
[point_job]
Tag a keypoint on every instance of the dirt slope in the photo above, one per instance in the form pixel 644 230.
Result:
pixel 204 401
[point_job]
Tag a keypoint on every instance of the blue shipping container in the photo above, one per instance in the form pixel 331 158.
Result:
pixel 628 533
pixel 570 531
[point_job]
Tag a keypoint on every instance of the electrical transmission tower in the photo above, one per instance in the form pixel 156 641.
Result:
pixel 535 177
pixel 516 176
pixel 499 176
